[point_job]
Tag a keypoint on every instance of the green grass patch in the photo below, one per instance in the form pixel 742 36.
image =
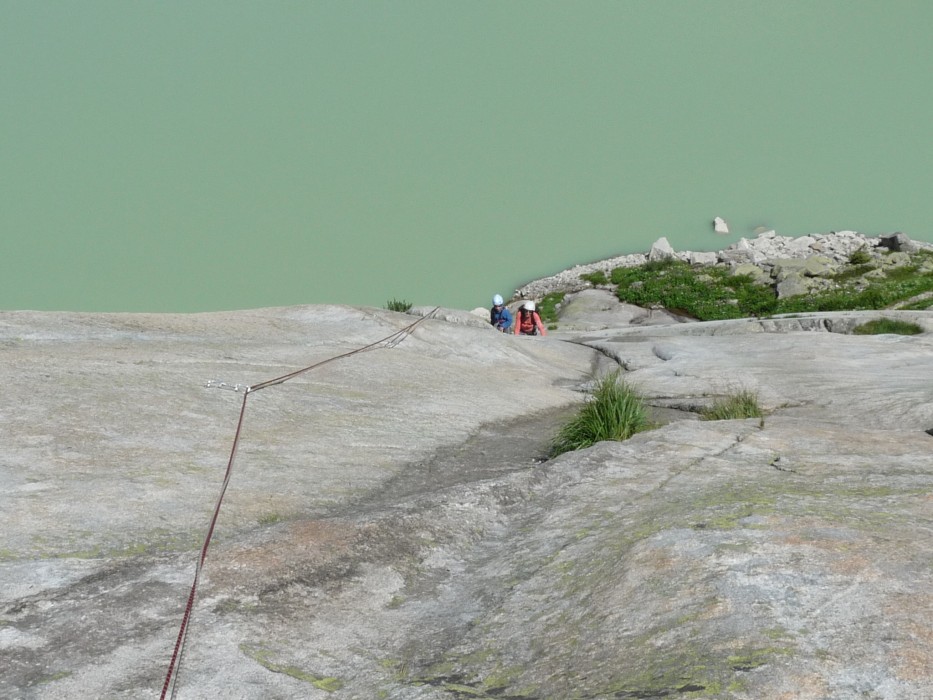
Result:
pixel 615 411
pixel 903 273
pixel 851 273
pixel 742 404
pixel 711 292
pixel 268 519
pixel 918 305
pixel 887 325
pixel 263 656
pixel 860 257
pixel 598 277
pixel 399 305
pixel 547 308
pixel 704 292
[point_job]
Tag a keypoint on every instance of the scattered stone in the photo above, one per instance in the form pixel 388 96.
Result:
pixel 702 258
pixel 661 250
pixel 757 273
pixel 792 285
pixel 898 243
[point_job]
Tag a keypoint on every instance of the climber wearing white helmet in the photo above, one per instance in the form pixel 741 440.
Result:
pixel 499 315
pixel 529 322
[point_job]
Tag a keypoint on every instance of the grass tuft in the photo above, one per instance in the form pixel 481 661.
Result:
pixel 269 519
pixel 743 404
pixel 887 325
pixel 398 305
pixel 615 411
pixel 860 257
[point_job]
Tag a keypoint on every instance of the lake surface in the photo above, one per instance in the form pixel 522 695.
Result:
pixel 239 155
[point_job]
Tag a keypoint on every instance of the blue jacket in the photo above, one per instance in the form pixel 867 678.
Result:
pixel 500 318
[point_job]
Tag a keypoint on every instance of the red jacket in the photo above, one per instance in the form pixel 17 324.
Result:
pixel 528 323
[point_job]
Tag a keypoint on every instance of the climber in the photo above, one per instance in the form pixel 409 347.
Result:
pixel 499 315
pixel 529 322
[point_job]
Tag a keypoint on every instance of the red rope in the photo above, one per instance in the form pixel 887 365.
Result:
pixel 183 630
pixel 171 676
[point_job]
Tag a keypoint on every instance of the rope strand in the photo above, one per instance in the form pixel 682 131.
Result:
pixel 390 341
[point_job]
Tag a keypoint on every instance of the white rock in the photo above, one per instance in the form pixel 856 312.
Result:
pixel 660 250
pixel 720 225
pixel 700 258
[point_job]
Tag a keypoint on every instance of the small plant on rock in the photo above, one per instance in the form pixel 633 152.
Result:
pixel 398 305
pixel 887 325
pixel 737 406
pixel 860 257
pixel 615 411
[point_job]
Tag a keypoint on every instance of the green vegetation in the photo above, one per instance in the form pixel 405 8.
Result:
pixel 51 678
pixel 263 656
pixel 887 325
pixel 710 292
pixel 742 404
pixel 860 257
pixel 598 277
pixel 269 519
pixel 615 411
pixel 853 272
pixel 705 292
pixel 547 307
pixel 924 302
pixel 398 305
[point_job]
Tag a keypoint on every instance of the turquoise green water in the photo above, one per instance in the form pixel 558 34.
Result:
pixel 223 155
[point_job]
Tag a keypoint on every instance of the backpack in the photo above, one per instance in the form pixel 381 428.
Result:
pixel 522 318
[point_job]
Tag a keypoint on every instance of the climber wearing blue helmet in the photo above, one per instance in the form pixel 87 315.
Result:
pixel 499 315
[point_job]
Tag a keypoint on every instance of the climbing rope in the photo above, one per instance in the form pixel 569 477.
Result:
pixel 390 341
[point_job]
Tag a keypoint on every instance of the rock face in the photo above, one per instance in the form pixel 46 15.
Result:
pixel 392 528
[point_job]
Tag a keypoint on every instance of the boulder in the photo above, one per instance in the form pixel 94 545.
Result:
pixel 811 266
pixel 481 312
pixel 702 258
pixel 896 259
pixel 733 258
pixel 792 284
pixel 660 250
pixel 720 225
pixel 594 309
pixel 898 243
pixel 756 272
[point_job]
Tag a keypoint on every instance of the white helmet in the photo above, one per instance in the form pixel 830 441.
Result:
pixel 497 300
pixel 529 306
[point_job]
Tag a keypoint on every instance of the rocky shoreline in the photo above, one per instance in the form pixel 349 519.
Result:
pixel 795 265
